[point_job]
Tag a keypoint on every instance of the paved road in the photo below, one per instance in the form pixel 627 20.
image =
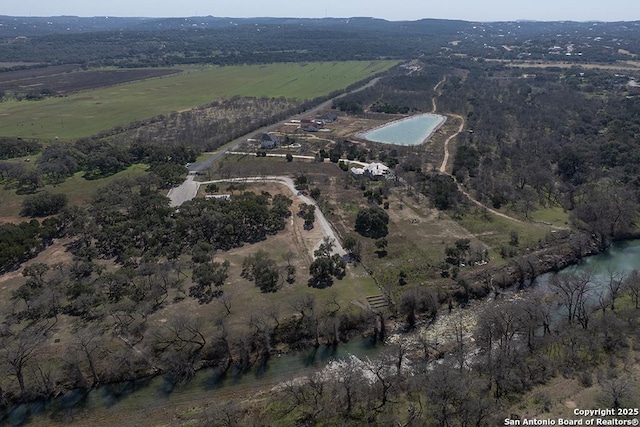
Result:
pixel 184 192
pixel 233 145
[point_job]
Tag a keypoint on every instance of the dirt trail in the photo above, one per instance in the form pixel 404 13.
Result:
pixel 445 160
pixel 433 100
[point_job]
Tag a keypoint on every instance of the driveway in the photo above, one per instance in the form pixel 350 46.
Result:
pixel 321 221
pixel 184 192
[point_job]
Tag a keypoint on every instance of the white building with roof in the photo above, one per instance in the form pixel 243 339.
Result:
pixel 372 170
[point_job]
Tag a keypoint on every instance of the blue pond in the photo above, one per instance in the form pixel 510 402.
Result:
pixel 410 131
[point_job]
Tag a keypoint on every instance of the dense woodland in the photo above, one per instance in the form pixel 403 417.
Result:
pixel 566 137
pixel 536 137
pixel 533 138
pixel 129 42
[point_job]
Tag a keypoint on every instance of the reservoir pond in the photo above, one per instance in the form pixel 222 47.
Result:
pixel 413 130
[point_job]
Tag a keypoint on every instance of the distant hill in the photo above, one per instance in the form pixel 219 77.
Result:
pixel 137 41
pixel 12 26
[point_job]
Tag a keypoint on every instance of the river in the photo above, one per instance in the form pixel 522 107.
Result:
pixel 143 396
pixel 620 258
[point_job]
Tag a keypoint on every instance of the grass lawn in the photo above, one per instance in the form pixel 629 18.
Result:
pixel 88 112
pixel 553 215
pixel 496 231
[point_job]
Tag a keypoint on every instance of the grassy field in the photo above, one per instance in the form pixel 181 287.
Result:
pixel 78 190
pixel 89 112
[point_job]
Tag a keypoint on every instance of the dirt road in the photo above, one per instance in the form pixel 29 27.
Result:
pixel 327 231
pixel 445 161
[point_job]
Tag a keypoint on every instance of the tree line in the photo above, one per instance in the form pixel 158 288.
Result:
pixel 517 347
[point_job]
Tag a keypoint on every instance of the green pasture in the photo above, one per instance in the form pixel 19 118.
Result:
pixel 77 189
pixel 554 215
pixel 495 231
pixel 88 112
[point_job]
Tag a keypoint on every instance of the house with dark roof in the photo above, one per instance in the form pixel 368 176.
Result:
pixel 269 141
pixel 311 125
pixel 328 118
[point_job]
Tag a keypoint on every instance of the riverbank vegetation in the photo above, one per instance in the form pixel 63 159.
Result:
pixel 518 355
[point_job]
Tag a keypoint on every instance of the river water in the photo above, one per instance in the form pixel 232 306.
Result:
pixel 621 258
pixel 157 393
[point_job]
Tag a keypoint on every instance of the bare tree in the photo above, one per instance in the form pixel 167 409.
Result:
pixel 311 399
pixel 223 414
pixel 427 346
pixel 632 284
pixel 617 388
pixel 18 349
pixel 415 301
pixel 348 379
pixel 179 342
pixel 273 311
pixel 615 286
pixel 460 352
pixel 88 343
pixel 532 315
pixel 304 304
pixel 385 379
pixel 225 301
pixel 573 290
pixel 496 335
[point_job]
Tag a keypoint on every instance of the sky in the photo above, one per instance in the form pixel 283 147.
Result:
pixel 393 10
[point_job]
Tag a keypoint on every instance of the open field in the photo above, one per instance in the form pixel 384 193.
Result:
pixel 16 64
pixel 78 190
pixel 76 81
pixel 30 73
pixel 89 112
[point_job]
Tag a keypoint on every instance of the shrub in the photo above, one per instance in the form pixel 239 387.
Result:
pixel 43 204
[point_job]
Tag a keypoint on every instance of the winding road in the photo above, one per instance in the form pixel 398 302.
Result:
pixel 189 188
pixel 321 220
pixel 445 160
